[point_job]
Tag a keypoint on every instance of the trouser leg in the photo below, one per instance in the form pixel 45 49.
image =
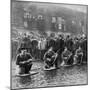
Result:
pixel 79 59
pixel 28 68
pixel 70 61
pixel 56 63
pixel 21 70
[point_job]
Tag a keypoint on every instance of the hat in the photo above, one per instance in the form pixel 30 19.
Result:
pixel 23 50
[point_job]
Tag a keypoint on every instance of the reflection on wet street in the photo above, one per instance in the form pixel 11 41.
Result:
pixel 73 75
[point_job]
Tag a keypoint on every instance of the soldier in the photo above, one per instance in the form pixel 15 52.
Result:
pixel 24 60
pixel 78 56
pixel 49 58
pixel 66 54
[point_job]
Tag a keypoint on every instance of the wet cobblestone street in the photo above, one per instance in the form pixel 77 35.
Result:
pixel 72 75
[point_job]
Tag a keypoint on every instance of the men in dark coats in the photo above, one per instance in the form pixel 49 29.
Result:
pixel 34 48
pixel 59 44
pixel 25 44
pixel 59 48
pixel 69 43
pixel 51 43
pixel 83 45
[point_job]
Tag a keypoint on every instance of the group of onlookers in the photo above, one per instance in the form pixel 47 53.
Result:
pixel 57 51
pixel 38 47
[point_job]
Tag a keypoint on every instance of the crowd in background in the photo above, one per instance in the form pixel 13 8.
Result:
pixel 38 46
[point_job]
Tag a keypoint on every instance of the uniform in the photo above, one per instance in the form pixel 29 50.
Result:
pixel 49 58
pixel 66 57
pixel 24 67
pixel 78 56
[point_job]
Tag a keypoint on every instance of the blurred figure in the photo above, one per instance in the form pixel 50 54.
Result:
pixel 34 44
pixel 49 58
pixel 66 54
pixel 24 60
pixel 83 44
pixel 69 43
pixel 25 43
pixel 78 56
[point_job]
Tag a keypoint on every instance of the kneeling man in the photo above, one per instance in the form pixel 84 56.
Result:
pixel 78 56
pixel 50 58
pixel 66 56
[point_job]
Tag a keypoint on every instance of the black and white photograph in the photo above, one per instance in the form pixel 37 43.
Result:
pixel 49 44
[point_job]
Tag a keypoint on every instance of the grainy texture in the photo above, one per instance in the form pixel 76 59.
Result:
pixel 52 36
pixel 65 76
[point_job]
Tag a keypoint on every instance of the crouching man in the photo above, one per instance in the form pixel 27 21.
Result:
pixel 66 56
pixel 78 56
pixel 24 60
pixel 50 58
